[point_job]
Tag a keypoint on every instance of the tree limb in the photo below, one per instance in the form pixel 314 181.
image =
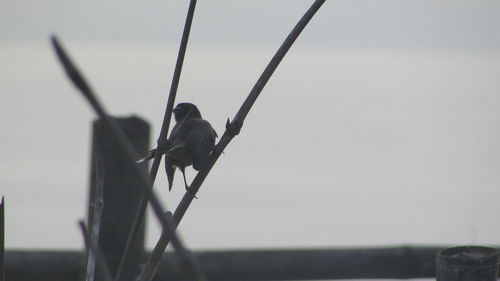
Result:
pixel 232 129
pixel 139 217
pixel 129 155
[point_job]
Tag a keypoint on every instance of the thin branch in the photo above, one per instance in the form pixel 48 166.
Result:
pixel 232 129
pixel 96 206
pixel 127 253
pixel 129 154
pixel 150 271
pixel 2 239
pixel 92 247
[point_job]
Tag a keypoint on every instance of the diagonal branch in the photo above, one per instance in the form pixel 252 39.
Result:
pixel 2 239
pixel 232 129
pixel 92 247
pixel 127 252
pixel 129 155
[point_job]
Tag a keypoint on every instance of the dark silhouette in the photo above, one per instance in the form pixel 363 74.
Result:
pixel 190 143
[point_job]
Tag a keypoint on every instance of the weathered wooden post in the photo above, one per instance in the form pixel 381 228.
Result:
pixel 467 263
pixel 121 191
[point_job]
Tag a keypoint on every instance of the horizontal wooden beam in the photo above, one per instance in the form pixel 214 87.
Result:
pixel 283 264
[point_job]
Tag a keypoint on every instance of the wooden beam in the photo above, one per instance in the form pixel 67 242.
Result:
pixel 291 264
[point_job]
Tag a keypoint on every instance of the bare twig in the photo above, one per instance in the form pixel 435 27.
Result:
pixel 96 206
pixel 92 247
pixel 129 154
pixel 2 239
pixel 162 138
pixel 150 271
pixel 232 129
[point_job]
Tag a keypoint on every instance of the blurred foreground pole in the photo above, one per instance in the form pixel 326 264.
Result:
pixel 2 239
pixel 121 191
pixel 467 263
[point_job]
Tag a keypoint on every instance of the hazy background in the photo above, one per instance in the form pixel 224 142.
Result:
pixel 380 127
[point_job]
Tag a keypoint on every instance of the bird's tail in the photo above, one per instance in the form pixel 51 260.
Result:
pixel 146 155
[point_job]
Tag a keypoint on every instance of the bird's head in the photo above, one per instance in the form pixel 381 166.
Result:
pixel 186 110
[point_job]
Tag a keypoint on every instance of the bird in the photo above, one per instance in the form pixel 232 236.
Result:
pixel 190 143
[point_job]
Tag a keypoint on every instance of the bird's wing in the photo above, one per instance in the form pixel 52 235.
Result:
pixel 200 141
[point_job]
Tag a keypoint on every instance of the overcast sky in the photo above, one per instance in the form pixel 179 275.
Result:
pixel 449 24
pixel 380 126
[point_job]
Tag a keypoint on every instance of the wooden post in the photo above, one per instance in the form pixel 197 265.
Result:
pixel 467 263
pixel 121 191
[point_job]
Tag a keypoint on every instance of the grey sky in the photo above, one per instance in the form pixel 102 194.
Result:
pixel 392 109
pixel 448 24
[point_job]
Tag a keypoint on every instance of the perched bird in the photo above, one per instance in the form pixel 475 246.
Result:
pixel 190 143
